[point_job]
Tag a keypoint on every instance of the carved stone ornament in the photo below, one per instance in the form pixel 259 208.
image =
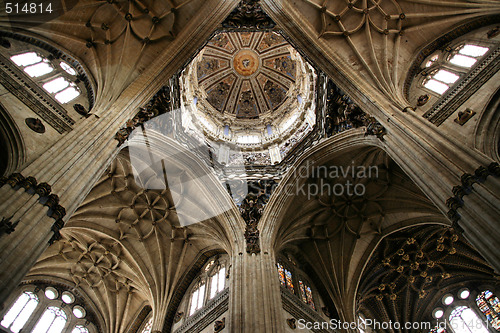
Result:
pixel 422 100
pixel 80 109
pixel 219 325
pixel 375 128
pixel 6 226
pixel 292 323
pixel 251 209
pixel 35 125
pixel 248 15
pixel 158 105
pixel 464 116
pixel 178 317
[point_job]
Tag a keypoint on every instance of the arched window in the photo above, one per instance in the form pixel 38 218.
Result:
pixel 20 312
pixel 286 277
pixel 463 320
pixel 490 307
pixel 445 69
pixel 48 310
pixel 306 294
pixel 217 282
pixel 197 298
pixel 58 76
pixel 53 320
pixel 40 70
pixel 206 295
pixel 295 281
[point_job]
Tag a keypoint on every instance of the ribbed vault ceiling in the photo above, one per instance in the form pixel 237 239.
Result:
pixel 124 247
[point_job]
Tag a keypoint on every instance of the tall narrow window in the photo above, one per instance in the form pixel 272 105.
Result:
pixel 490 307
pixel 289 280
pixel 306 294
pixel 281 273
pixel 197 299
pixel 217 282
pixel 20 312
pixel 464 320
pixel 53 320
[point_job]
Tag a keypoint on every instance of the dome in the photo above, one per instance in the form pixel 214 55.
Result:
pixel 246 75
pixel 252 89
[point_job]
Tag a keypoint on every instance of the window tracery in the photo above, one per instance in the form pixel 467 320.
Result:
pixel 60 83
pixel 295 281
pixel 46 311
pixel 443 70
pixel 57 80
pixel 210 283
pixel 462 313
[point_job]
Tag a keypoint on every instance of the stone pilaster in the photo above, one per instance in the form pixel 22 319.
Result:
pixel 255 300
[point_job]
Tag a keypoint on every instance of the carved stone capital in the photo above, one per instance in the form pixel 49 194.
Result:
pixel 6 226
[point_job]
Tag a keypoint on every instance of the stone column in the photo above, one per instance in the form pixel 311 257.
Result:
pixel 255 299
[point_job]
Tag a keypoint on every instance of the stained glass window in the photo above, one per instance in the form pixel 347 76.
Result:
pixel 20 312
pixel 310 297
pixel 306 294
pixel 281 272
pixel 289 281
pixel 464 320
pixel 490 307
pixel 302 292
pixel 53 320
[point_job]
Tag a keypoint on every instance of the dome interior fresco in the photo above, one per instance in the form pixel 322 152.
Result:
pixel 246 74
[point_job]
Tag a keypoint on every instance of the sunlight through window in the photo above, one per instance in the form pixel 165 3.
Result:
pixel 462 61
pixel 473 50
pixel 20 312
pixel 445 76
pixel 53 320
pixel 56 85
pixel 26 59
pixel 436 86
pixel 67 95
pixel 67 68
pixel 39 69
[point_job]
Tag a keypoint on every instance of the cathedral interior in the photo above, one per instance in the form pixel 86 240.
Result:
pixel 249 166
